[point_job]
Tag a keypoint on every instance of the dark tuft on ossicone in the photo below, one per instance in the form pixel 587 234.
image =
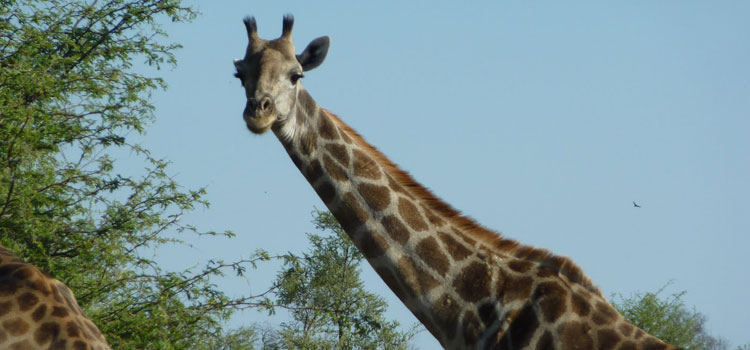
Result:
pixel 250 25
pixel 286 29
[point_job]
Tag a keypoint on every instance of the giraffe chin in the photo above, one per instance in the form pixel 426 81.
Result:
pixel 259 125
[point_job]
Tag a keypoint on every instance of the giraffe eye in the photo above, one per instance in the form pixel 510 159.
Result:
pixel 296 77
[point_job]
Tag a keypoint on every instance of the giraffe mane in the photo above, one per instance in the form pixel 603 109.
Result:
pixel 543 257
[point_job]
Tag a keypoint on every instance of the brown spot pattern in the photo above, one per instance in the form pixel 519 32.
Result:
pixel 429 251
pixel 58 311
pixel 350 214
pixel 522 329
pixel 545 342
pixel 72 329
pixel 552 300
pixel 414 277
pixel 472 284
pixel 432 218
pixel 576 336
pixel 607 338
pixel 339 153
pixel 8 269
pixel 42 286
pixel 604 313
pixel 313 171
pixel 38 297
pixel 306 104
pixel 23 273
pixel 334 170
pixel 79 345
pixel 395 229
pixel 377 197
pixel 39 313
pixel 326 192
pixel 21 345
pixel 455 249
pixel 545 272
pixel 652 343
pixel 626 329
pixel 326 129
pixel 16 326
pixel 411 215
pixel 46 333
pixel 27 300
pixel 628 345
pixel 365 167
pixel 519 266
pixel 516 288
pixel 5 307
pixel 580 305
pixel 373 246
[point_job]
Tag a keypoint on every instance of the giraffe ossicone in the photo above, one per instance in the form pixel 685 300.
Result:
pixel 40 312
pixel 471 287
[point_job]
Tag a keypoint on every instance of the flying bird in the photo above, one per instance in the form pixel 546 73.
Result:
pixel 636 204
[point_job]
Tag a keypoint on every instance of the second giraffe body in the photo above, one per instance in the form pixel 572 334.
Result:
pixel 469 286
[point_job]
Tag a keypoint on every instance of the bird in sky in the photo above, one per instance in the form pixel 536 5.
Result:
pixel 636 204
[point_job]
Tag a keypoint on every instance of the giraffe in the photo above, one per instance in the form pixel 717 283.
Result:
pixel 40 312
pixel 471 287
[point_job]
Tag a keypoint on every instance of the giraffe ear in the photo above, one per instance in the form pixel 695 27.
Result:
pixel 314 53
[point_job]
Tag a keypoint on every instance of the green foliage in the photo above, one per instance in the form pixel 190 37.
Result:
pixel 242 338
pixel 70 98
pixel 669 319
pixel 329 306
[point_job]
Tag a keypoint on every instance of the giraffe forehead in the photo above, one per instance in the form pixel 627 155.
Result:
pixel 271 53
pixel 272 62
pixel 267 61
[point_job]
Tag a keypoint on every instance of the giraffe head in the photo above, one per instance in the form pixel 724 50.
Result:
pixel 270 73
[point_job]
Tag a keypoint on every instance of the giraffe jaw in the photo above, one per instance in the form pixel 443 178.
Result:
pixel 259 124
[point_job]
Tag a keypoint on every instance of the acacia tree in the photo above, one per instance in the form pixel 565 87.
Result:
pixel 329 305
pixel 669 319
pixel 70 96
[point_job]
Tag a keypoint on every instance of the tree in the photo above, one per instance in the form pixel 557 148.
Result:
pixel 669 319
pixel 70 97
pixel 243 338
pixel 329 305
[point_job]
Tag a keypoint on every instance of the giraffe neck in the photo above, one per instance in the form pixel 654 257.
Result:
pixel 466 284
pixel 383 218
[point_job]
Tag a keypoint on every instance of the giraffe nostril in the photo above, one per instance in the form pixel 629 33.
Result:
pixel 265 104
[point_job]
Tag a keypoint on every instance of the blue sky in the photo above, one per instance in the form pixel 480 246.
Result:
pixel 543 120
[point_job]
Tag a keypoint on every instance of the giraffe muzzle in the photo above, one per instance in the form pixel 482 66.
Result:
pixel 259 106
pixel 259 114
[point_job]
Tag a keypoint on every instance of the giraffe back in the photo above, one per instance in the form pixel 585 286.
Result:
pixel 40 312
